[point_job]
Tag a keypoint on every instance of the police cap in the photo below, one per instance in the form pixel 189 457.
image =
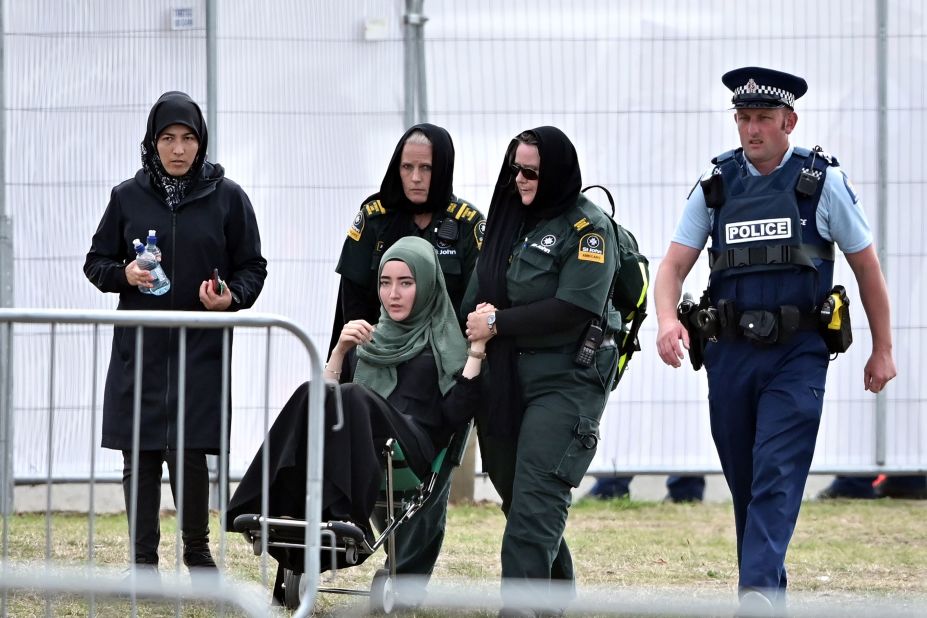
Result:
pixel 759 87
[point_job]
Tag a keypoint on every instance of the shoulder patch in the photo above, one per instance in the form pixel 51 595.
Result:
pixel 592 248
pixel 581 224
pixel 357 226
pixel 374 208
pixel 479 230
pixel 849 187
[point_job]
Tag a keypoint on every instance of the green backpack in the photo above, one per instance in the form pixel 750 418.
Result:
pixel 628 294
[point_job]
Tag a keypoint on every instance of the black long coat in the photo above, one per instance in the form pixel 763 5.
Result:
pixel 214 226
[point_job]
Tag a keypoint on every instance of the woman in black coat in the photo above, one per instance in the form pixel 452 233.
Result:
pixel 203 221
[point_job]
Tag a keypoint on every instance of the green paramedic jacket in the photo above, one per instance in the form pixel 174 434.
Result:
pixel 572 257
pixel 364 245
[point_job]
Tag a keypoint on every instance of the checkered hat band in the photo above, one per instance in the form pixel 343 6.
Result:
pixel 783 95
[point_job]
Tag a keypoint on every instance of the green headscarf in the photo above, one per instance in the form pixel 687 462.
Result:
pixel 432 321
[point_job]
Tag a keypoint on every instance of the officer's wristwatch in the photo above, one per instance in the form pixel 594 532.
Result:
pixel 491 323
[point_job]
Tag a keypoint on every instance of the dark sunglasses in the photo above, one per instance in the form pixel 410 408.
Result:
pixel 527 172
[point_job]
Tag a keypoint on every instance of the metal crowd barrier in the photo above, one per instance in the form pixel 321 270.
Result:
pixel 53 579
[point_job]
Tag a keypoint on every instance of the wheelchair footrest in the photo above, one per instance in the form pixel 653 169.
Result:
pixel 345 530
pixel 294 530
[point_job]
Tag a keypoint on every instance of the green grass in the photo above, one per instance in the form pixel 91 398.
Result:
pixel 868 549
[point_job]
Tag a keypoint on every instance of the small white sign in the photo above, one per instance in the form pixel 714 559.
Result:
pixel 375 29
pixel 182 18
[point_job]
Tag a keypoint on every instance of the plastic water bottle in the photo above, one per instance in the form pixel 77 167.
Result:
pixel 152 246
pixel 148 262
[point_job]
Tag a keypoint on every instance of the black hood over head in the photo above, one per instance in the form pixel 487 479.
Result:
pixel 391 194
pixel 559 184
pixel 173 107
pixel 176 108
pixel 559 178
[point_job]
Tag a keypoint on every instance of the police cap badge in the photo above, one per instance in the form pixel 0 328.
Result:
pixel 759 87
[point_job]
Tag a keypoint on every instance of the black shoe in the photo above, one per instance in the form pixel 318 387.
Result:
pixel 142 573
pixel 144 568
pixel 198 558
pixel 754 603
pixel 902 494
pixel 828 493
pixel 682 499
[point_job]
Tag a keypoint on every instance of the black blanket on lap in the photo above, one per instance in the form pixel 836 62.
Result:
pixel 352 462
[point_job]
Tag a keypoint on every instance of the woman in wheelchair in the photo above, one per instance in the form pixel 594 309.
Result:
pixel 414 381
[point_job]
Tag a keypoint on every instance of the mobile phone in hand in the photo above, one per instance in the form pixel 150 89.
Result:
pixel 218 285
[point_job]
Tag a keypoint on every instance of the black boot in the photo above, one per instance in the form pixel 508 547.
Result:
pixel 195 525
pixel 196 555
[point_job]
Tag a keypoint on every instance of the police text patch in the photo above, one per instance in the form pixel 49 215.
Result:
pixel 592 248
pixel 761 229
pixel 357 226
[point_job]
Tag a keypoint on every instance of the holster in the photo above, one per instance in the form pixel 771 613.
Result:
pixel 686 313
pixel 834 321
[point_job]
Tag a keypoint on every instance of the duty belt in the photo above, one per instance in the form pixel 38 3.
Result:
pixel 760 326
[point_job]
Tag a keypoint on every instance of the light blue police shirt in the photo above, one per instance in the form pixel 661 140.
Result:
pixel 839 216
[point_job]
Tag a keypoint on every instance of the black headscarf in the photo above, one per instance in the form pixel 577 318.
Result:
pixel 173 108
pixel 393 197
pixel 559 184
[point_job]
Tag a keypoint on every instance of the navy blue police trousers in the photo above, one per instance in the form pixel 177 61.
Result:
pixel 765 403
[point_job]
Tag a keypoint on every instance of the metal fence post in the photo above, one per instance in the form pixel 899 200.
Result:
pixel 413 37
pixel 6 330
pixel 881 192
pixel 212 52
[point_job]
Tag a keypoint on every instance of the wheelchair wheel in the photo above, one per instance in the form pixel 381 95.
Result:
pixel 382 595
pixel 291 588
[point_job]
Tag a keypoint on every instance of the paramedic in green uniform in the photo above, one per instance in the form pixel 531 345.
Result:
pixel 416 198
pixel 542 280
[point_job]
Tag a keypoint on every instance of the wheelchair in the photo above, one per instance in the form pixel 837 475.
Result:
pixel 402 495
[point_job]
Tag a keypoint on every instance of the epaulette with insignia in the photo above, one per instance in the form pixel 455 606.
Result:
pixel 816 152
pixel 374 208
pixel 831 159
pixel 462 211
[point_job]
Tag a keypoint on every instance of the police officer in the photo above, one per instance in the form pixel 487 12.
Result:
pixel 416 198
pixel 541 287
pixel 773 212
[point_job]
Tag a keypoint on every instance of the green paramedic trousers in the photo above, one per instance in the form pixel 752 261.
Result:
pixel 556 443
